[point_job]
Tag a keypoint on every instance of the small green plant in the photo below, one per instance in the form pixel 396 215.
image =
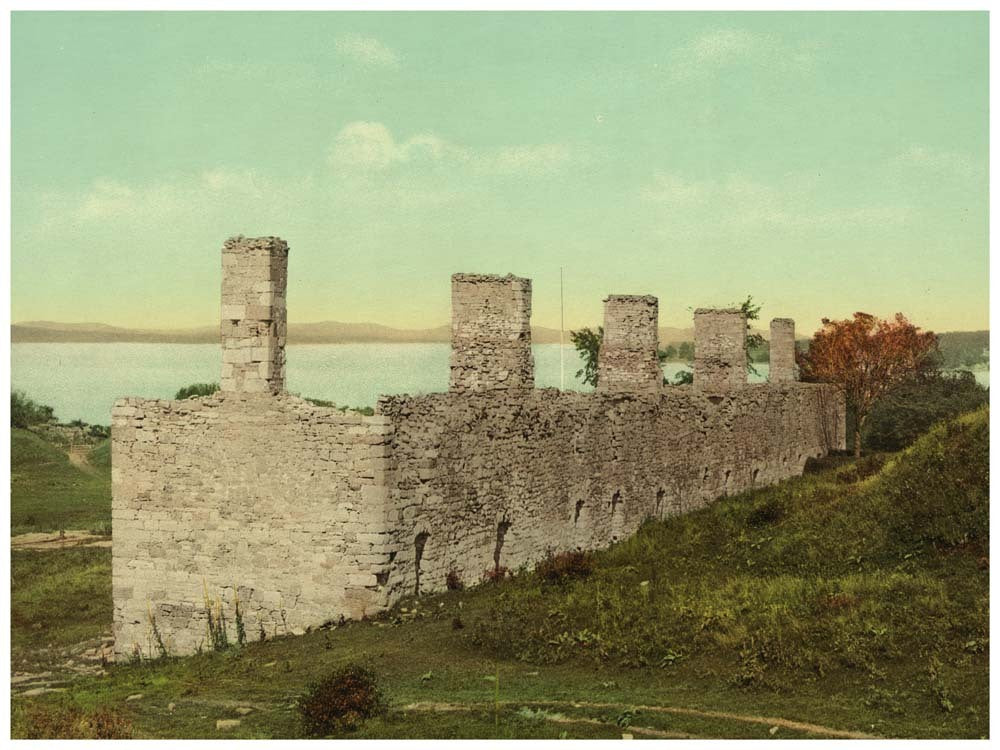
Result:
pixel 161 647
pixel 453 582
pixel 241 631
pixel 565 566
pixel 218 635
pixel 341 701
pixel 196 389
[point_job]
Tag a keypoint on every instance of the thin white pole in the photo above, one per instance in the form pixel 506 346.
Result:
pixel 562 366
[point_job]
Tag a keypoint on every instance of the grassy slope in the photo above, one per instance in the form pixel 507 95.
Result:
pixel 48 493
pixel 857 602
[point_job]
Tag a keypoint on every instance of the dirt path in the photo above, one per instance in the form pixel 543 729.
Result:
pixel 79 456
pixel 799 726
pixel 50 540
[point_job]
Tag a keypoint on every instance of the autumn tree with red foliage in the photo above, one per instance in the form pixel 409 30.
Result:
pixel 866 356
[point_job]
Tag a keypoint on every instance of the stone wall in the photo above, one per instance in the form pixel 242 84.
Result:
pixel 266 496
pixel 254 327
pixel 306 514
pixel 627 359
pixel 781 368
pixel 490 333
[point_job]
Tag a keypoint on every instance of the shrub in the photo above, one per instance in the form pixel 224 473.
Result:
pixel 565 566
pixel 910 409
pixel 452 582
pixel 196 389
pixel 24 412
pixel 42 722
pixel 495 575
pixel 99 431
pixel 341 701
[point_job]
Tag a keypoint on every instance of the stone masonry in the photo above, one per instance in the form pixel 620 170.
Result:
pixel 305 514
pixel 720 349
pixel 627 359
pixel 490 333
pixel 782 359
pixel 254 277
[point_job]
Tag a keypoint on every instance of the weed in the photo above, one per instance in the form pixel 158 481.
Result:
pixel 341 701
pixel 565 566
pixel 453 582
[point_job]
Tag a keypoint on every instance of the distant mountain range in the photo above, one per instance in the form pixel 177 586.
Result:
pixel 958 347
pixel 328 332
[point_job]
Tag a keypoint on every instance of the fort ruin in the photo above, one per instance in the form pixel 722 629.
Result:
pixel 307 514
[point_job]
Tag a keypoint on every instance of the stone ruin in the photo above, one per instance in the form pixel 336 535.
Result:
pixel 306 514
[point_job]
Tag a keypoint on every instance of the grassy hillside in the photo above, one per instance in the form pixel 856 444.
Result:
pixel 853 599
pixel 48 493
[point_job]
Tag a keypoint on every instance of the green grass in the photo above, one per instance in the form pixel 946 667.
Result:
pixel 58 598
pixel 854 598
pixel 48 493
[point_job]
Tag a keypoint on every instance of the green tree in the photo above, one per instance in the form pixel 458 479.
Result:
pixel 685 351
pixel 25 412
pixel 588 344
pixel 670 352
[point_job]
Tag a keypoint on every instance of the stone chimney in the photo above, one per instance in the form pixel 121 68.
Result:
pixel 254 279
pixel 627 359
pixel 720 349
pixel 490 333
pixel 782 368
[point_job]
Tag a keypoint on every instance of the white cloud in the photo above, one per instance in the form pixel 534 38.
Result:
pixel 371 146
pixel 741 203
pixel 365 50
pixel 715 50
pixel 949 162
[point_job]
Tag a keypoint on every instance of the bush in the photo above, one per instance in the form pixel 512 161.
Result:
pixel 909 410
pixel 196 389
pixel 40 722
pixel 453 582
pixel 341 701
pixel 565 566
pixel 24 412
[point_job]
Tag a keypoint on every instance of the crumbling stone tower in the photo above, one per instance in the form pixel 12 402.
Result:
pixel 490 333
pixel 782 367
pixel 254 321
pixel 627 359
pixel 720 349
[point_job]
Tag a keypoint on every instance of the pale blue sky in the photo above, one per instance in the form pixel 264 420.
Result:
pixel 824 162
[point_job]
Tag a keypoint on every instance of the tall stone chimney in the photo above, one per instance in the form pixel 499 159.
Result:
pixel 490 333
pixel 782 367
pixel 627 358
pixel 254 322
pixel 720 349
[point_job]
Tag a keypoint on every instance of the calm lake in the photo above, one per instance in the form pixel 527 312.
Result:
pixel 82 381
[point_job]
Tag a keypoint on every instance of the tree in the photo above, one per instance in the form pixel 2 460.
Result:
pixel 588 343
pixel 685 351
pixel 867 357
pixel 670 352
pixel 755 341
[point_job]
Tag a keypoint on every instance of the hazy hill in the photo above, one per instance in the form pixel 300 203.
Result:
pixel 327 332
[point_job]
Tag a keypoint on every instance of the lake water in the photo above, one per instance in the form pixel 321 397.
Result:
pixel 82 381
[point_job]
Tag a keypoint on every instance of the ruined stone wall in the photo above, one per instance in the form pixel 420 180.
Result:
pixel 782 368
pixel 267 496
pixel 490 333
pixel 254 321
pixel 305 514
pixel 480 481
pixel 627 359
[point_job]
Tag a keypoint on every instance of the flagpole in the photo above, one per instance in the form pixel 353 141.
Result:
pixel 562 366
